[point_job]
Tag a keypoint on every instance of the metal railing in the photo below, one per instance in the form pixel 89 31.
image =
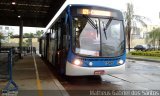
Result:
pixel 4 63
pixel 11 88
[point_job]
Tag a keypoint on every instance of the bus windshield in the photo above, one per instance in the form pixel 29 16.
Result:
pixel 97 37
pixel 112 37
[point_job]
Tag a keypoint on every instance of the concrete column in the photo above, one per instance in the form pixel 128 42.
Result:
pixel 20 37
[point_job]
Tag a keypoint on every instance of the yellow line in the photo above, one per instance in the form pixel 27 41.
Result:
pixel 39 86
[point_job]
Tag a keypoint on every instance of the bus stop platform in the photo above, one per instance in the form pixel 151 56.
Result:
pixel 34 78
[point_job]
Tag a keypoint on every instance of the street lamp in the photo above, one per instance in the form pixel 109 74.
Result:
pixel 13 2
pixel 19 16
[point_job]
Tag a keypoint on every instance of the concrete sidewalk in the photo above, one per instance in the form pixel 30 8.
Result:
pixel 34 78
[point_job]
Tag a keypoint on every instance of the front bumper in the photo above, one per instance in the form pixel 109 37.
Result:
pixel 73 70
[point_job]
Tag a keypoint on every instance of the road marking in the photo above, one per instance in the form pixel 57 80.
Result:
pixel 120 78
pixel 39 86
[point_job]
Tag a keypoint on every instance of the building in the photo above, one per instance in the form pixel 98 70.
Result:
pixel 6 30
pixel 138 35
pixel 14 41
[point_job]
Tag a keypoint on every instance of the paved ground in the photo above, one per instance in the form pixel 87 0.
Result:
pixel 139 75
pixel 145 75
pixel 35 79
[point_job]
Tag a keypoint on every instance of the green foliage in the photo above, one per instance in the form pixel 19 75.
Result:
pixel 1 35
pixel 28 42
pixel 26 34
pixel 147 53
pixel 130 22
pixel 154 37
pixel 10 34
pixel 39 33
pixel 29 35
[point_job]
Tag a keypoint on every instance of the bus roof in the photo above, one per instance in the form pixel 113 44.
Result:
pixel 105 3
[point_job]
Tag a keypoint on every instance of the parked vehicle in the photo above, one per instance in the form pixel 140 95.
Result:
pixel 156 47
pixel 143 47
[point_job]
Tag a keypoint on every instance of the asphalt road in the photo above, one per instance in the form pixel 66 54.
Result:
pixel 139 75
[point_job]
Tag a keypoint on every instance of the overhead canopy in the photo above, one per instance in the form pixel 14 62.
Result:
pixel 34 13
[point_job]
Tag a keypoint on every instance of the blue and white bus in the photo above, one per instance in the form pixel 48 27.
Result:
pixel 84 39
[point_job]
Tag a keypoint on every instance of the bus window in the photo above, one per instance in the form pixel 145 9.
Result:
pixel 87 38
pixel 112 45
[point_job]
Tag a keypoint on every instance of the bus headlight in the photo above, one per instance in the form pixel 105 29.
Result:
pixel 120 62
pixel 77 62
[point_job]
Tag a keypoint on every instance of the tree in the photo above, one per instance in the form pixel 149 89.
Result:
pixel 27 35
pixel 1 37
pixel 130 22
pixel 29 40
pixel 10 34
pixel 154 37
pixel 39 33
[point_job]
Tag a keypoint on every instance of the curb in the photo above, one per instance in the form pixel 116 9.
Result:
pixel 61 88
pixel 143 59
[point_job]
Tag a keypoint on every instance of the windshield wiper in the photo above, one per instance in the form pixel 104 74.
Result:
pixel 92 23
pixel 104 30
pixel 106 27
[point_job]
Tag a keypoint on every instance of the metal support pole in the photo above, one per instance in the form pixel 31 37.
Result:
pixel 11 85
pixel 20 37
pixel 10 61
pixel 31 46
pixel 0 44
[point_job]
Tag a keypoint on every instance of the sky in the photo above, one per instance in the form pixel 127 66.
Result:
pixel 26 29
pixel 146 8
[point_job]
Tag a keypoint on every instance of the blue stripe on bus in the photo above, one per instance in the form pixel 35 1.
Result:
pixel 97 62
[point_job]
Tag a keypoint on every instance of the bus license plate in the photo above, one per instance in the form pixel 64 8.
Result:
pixel 99 72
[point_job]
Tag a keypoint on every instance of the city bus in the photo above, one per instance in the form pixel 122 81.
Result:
pixel 85 39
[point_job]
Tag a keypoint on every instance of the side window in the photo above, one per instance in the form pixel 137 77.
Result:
pixel 64 33
pixel 56 34
pixel 66 37
pixel 53 34
pixel 59 36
